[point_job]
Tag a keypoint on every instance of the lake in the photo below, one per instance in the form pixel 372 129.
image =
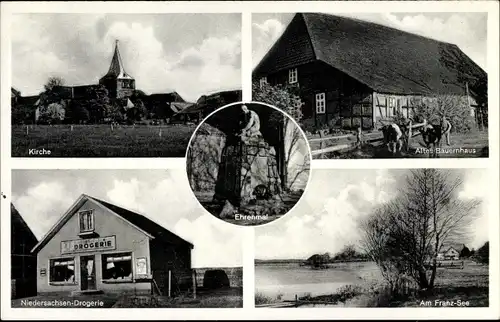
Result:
pixel 290 279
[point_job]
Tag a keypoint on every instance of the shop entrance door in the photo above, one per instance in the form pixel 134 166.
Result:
pixel 87 273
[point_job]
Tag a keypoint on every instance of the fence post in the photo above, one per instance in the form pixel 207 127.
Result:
pixel 159 133
pixel 169 283
pixel 321 143
pixel 111 126
pixel 194 283
pixel 71 127
pixel 410 134
pixel 358 136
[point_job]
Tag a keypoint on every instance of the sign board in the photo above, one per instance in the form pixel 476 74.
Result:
pixel 141 267
pixel 88 245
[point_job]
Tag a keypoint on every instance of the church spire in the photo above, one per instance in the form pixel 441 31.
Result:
pixel 116 68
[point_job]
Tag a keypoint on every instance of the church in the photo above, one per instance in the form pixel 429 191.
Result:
pixel 120 87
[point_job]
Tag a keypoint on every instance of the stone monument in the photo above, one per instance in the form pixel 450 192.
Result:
pixel 247 161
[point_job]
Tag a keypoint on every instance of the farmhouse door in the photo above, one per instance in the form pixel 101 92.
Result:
pixel 87 273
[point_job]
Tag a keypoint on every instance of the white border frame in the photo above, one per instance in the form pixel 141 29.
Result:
pixel 491 163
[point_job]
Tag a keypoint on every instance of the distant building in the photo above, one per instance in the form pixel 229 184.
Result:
pixel 205 105
pixel 352 72
pixel 99 247
pixel 449 253
pixel 23 262
pixel 118 83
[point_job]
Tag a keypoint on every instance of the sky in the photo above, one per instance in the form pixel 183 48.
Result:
pixel 193 54
pixel 326 217
pixel 164 196
pixel 466 30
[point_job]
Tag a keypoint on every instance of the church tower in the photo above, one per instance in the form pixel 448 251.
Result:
pixel 118 83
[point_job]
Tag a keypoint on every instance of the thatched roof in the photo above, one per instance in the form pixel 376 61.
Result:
pixel 385 59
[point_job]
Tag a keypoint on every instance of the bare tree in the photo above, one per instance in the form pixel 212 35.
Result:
pixel 405 235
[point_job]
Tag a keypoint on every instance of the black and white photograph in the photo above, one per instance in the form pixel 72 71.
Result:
pixel 118 239
pixel 119 85
pixel 379 238
pixel 379 85
pixel 248 163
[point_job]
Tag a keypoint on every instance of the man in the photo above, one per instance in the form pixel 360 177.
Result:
pixel 252 128
pixel 446 127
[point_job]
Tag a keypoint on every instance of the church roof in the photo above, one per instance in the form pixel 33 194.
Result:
pixel 116 69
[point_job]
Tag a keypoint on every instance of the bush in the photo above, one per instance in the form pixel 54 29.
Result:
pixel 455 108
pixel 215 278
pixel 262 299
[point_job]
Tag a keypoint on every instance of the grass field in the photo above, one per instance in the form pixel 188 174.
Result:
pixel 101 140
pixel 474 140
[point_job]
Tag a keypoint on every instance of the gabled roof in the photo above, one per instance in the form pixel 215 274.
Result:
pixel 166 97
pixel 385 59
pixel 29 100
pixel 140 222
pixel 14 92
pixel 20 229
pixel 446 247
pixel 116 69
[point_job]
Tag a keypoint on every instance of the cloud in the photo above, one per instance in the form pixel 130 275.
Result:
pixel 170 203
pixel 264 35
pixel 458 29
pixel 79 49
pixel 335 202
pixel 216 244
pixel 333 221
pixel 42 204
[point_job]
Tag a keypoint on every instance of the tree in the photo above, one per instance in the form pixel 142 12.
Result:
pixel 52 82
pixel 405 235
pixel 465 252
pixel 52 113
pixel 296 161
pixel 483 253
pixel 98 103
pixel 455 108
pixel 77 112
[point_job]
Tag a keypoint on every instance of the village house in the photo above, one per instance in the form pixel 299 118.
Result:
pixel 205 105
pixel 351 72
pixel 23 262
pixel 449 253
pixel 99 247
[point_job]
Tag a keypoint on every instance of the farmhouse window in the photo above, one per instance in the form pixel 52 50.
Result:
pixel 117 266
pixel 391 102
pixel 292 76
pixel 62 270
pixel 320 103
pixel 86 221
pixel 263 81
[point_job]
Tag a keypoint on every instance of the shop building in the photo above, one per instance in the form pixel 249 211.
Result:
pixel 100 247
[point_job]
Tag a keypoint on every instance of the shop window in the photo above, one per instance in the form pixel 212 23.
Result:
pixel 117 266
pixel 263 81
pixel 320 103
pixel 86 221
pixel 62 270
pixel 292 76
